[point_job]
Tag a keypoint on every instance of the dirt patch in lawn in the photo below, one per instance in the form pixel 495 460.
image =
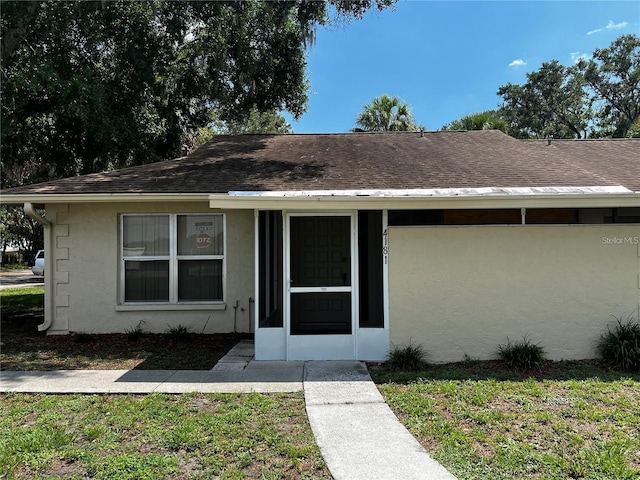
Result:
pixel 24 348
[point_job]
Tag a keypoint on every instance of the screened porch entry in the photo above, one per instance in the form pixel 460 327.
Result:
pixel 320 286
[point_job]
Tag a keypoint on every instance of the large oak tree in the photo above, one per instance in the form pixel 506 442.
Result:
pixel 552 103
pixel 599 97
pixel 613 75
pixel 93 85
pixel 89 85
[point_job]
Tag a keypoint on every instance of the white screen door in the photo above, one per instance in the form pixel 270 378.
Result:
pixel 320 292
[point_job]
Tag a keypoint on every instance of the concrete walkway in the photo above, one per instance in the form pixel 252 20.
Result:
pixel 262 377
pixel 234 373
pixel 358 434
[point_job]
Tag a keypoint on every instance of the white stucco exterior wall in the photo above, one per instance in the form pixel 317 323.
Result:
pixel 464 290
pixel 85 288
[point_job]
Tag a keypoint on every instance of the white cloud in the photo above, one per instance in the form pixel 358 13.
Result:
pixel 518 63
pixel 609 26
pixel 615 26
pixel 577 56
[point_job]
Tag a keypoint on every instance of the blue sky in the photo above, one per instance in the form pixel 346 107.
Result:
pixel 446 59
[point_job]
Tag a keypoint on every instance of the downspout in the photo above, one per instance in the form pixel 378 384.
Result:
pixel 48 265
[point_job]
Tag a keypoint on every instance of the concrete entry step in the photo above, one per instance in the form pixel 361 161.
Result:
pixel 237 358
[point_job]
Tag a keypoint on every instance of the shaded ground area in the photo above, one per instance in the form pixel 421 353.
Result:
pixel 496 370
pixel 24 348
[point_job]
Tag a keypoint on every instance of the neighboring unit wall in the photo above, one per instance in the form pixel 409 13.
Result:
pixel 85 289
pixel 464 290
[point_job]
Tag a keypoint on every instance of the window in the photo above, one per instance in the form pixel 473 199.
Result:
pixel 270 268
pixel 551 216
pixel 609 215
pixel 172 258
pixel 405 218
pixel 533 216
pixel 401 218
pixel 370 251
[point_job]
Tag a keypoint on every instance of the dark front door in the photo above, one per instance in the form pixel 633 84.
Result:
pixel 320 275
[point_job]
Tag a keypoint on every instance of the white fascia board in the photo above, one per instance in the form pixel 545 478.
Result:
pixel 43 198
pixel 439 192
pixel 549 197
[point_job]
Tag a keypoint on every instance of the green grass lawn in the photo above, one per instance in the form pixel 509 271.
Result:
pixel 573 420
pixel 21 300
pixel 157 436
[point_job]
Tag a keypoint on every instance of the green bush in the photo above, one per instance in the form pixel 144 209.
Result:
pixel 471 361
pixel 83 337
pixel 522 355
pixel 135 333
pixel 621 346
pixel 409 358
pixel 180 333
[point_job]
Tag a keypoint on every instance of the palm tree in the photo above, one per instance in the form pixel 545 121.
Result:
pixel 386 114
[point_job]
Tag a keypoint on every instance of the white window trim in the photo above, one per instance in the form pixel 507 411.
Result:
pixel 173 258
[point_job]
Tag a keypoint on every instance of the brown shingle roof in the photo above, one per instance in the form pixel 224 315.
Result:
pixel 404 160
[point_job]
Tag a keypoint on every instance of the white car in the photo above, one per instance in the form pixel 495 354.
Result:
pixel 38 267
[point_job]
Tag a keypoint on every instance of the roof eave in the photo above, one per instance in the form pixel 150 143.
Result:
pixel 44 198
pixel 345 202
pixel 223 201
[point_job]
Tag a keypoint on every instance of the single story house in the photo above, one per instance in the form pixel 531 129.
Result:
pixel 338 246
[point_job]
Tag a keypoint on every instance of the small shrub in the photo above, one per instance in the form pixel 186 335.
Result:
pixel 621 346
pixel 178 333
pixel 521 355
pixel 83 337
pixel 135 333
pixel 471 361
pixel 409 358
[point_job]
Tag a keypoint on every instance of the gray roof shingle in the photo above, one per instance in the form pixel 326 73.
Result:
pixel 403 160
